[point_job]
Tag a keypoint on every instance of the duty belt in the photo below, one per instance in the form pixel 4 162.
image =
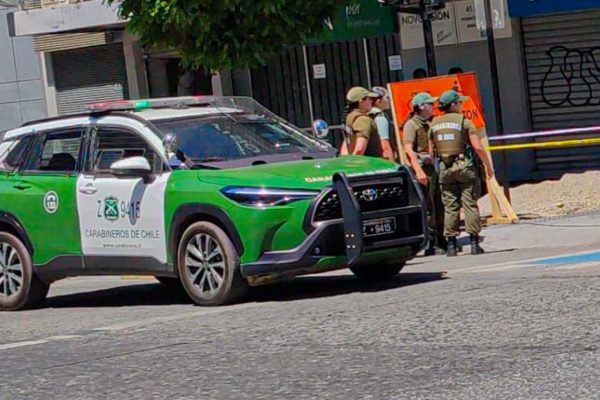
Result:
pixel 450 160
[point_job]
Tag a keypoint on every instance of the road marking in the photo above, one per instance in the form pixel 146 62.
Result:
pixel 26 343
pixel 582 265
pixel 534 262
pixel 572 259
pixel 157 320
pixel 15 345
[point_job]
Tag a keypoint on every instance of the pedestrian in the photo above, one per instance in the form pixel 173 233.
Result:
pixel 363 138
pixel 458 148
pixel 381 107
pixel 416 134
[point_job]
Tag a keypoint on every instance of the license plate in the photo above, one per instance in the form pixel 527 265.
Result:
pixel 377 227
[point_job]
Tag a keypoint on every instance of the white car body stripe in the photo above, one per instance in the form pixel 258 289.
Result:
pixel 122 217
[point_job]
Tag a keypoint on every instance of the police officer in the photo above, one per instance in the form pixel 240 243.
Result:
pixel 416 135
pixel 363 138
pixel 454 139
pixel 381 107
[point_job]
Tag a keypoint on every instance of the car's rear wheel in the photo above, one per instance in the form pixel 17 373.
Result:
pixel 377 272
pixel 20 288
pixel 209 266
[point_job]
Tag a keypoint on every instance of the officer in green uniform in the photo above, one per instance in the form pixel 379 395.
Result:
pixel 454 139
pixel 416 133
pixel 363 138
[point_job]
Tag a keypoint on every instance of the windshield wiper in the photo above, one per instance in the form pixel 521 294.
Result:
pixel 209 159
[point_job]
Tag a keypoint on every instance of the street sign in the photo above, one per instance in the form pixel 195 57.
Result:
pixel 357 19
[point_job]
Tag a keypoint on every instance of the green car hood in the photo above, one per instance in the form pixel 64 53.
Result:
pixel 310 174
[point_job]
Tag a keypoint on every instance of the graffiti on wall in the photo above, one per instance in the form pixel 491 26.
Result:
pixel 577 70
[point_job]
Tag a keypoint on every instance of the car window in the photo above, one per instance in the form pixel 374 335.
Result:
pixel 12 153
pixel 56 152
pixel 111 145
pixel 229 138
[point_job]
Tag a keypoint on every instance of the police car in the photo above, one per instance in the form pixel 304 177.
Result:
pixel 215 194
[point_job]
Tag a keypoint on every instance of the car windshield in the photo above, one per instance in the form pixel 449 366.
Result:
pixel 227 137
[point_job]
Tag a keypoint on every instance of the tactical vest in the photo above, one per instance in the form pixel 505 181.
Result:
pixel 373 145
pixel 448 134
pixel 422 143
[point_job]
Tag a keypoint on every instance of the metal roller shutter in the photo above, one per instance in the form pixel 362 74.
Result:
pixel 562 54
pixel 89 75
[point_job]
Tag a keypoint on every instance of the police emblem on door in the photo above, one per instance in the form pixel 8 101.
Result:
pixel 111 209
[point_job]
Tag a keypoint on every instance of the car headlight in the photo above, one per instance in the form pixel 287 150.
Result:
pixel 264 197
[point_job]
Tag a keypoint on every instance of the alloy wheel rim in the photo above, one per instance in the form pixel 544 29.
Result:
pixel 205 264
pixel 11 271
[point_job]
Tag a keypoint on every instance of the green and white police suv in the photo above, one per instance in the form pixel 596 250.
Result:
pixel 216 193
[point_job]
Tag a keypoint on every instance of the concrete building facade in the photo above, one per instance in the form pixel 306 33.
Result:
pixel 21 91
pixel 548 64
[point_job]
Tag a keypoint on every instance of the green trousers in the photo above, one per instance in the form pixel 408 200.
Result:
pixel 459 185
pixel 435 207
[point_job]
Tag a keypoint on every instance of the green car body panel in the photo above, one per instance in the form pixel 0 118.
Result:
pixel 51 234
pixel 269 228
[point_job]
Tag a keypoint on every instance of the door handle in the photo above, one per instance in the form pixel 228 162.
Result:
pixel 88 189
pixel 22 186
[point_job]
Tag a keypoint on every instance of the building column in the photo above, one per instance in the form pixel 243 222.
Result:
pixel 137 79
pixel 48 82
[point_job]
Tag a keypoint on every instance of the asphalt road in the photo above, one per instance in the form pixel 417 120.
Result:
pixel 504 325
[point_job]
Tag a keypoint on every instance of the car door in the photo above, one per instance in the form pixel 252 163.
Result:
pixel 122 219
pixel 43 196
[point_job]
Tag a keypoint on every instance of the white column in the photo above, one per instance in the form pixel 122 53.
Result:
pixel 48 82
pixel 136 68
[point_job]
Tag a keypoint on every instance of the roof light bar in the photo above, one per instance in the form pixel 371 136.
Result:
pixel 138 105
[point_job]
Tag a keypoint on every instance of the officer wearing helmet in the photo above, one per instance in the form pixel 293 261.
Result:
pixel 455 140
pixel 416 133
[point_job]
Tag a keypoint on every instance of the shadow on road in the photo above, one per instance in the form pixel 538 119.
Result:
pixel 152 294
pixel 312 287
pixel 155 294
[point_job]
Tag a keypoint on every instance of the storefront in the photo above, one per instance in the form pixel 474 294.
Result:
pixel 562 55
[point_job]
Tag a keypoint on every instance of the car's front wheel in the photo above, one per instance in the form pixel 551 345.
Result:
pixel 209 266
pixel 377 272
pixel 20 288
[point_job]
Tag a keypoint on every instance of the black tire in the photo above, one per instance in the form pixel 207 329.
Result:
pixel 377 272
pixel 15 264
pixel 195 279
pixel 173 283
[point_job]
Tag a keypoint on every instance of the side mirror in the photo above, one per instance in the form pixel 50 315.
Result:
pixel 132 167
pixel 320 129
pixel 169 143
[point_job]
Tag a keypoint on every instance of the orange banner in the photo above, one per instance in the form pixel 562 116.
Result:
pixel 466 84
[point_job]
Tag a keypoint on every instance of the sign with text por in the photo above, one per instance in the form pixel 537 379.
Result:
pixel 358 19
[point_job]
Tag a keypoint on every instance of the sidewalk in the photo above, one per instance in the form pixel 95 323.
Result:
pixel 550 232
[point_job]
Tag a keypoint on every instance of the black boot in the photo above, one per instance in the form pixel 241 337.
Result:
pixel 433 250
pixel 451 250
pixel 430 250
pixel 475 248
